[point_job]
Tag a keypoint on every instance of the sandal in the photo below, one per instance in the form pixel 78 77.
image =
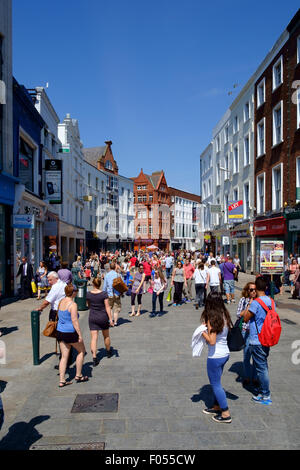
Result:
pixel 63 384
pixel 80 378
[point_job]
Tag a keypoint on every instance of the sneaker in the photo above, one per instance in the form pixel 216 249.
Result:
pixel 220 419
pixel 262 400
pixel 211 411
pixel 152 315
pixel 174 305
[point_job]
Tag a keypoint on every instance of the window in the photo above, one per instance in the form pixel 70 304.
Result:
pixel 246 201
pixel 235 159
pixel 226 134
pixel 261 93
pixel 210 161
pixel 204 191
pixel 235 194
pixel 97 183
pixel 246 111
pixel 235 124
pixel 108 165
pixel 218 143
pixel 277 187
pixel 277 124
pixel 218 174
pixel 150 197
pixel 225 208
pixel 277 73
pixel 298 179
pixel 260 193
pixel 26 165
pixel 102 186
pixel 150 229
pixel 261 138
pixel 226 173
pixel 89 179
pixel 246 150
pixel 209 187
pixel 298 108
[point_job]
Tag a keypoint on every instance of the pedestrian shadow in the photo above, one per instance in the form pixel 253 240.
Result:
pixel 6 331
pixel 87 370
pixel 3 384
pixel 47 356
pixel 121 321
pixel 237 368
pixel 207 396
pixel 22 435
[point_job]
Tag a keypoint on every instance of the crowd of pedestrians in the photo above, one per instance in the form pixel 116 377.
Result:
pixel 142 272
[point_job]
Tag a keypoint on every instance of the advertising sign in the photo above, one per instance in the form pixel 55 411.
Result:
pixel 225 241
pixel 53 169
pixel 215 208
pixel 271 257
pixel 23 221
pixel 235 211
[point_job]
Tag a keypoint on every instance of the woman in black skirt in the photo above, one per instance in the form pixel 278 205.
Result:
pixel 69 334
pixel 100 318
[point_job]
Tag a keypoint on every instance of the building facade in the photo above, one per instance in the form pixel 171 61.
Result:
pixel 277 137
pixel 152 211
pixel 184 219
pixel 7 175
pixel 71 226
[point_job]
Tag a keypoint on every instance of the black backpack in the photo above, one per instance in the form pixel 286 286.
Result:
pixel 235 340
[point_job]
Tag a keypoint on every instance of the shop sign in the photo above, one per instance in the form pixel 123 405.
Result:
pixel 240 234
pixel 294 225
pixel 276 226
pixel 235 211
pixel 271 257
pixel 53 170
pixel 215 208
pixel 23 221
pixel 225 241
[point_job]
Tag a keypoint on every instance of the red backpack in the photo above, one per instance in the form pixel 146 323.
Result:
pixel 271 329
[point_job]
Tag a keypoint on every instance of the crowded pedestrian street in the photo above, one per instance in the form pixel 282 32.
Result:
pixel 161 389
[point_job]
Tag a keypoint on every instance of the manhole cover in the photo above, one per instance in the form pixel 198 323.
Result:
pixel 81 446
pixel 96 403
pixel 289 322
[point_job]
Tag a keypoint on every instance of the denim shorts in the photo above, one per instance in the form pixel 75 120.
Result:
pixel 229 286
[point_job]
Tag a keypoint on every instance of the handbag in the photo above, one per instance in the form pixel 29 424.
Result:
pixel 169 296
pixel 235 340
pixel 119 285
pixel 33 287
pixel 50 329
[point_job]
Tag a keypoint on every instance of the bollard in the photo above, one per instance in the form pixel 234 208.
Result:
pixel 35 332
pixel 80 299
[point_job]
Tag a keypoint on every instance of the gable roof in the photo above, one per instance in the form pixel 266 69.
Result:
pixel 93 154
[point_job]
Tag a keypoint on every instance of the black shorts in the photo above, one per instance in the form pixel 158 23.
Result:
pixel 67 337
pixel 148 278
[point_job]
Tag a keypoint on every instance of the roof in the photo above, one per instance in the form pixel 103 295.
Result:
pixel 93 154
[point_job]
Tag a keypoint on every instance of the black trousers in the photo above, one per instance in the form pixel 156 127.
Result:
pixel 200 294
pixel 139 298
pixel 178 286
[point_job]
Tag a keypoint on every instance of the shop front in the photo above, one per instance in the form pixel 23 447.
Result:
pixel 7 196
pixel 51 240
pixel 241 245
pixel 220 242
pixel 293 221
pixel 269 229
pixel 72 242
pixel 142 244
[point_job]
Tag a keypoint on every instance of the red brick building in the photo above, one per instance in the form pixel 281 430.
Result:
pixel 277 139
pixel 152 210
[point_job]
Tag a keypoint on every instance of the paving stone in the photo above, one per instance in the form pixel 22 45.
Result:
pixel 148 425
pixel 113 426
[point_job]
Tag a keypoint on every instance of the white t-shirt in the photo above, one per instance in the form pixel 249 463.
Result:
pixel 56 294
pixel 220 349
pixel 214 276
pixel 200 276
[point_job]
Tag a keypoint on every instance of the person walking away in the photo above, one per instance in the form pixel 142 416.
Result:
pixel 41 278
pixel 217 320
pixel 213 279
pixel 64 274
pixel 69 334
pixel 229 273
pixel 200 276
pixel 178 281
pixel 248 295
pixel 100 318
pixel 256 315
pixel 189 271
pixel 114 297
pixel 137 290
pixel 26 273
pixel 292 269
pixel 296 282
pixel 159 285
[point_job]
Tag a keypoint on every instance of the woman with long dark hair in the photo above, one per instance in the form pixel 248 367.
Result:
pixel 217 320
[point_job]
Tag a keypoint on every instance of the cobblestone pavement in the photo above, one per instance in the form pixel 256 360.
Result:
pixel 162 389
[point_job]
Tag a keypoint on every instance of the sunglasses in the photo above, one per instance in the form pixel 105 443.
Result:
pixel 252 290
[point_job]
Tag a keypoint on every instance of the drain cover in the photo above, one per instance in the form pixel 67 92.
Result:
pixel 289 322
pixel 96 403
pixel 82 446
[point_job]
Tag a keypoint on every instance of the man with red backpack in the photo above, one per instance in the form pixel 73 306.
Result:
pixel 265 331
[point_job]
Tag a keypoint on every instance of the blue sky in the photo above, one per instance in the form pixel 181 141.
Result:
pixel 153 76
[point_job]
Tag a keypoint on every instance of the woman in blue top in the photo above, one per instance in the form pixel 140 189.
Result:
pixel 69 334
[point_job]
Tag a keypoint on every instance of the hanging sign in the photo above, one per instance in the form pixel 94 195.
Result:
pixel 53 170
pixel 235 211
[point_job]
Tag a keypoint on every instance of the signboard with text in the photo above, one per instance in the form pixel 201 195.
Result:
pixel 23 221
pixel 235 211
pixel 271 257
pixel 53 169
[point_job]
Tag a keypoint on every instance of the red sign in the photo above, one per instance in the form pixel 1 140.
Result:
pixel 276 226
pixel 235 205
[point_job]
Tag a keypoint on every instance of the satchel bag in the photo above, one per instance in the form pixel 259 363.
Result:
pixel 235 340
pixel 119 285
pixel 50 329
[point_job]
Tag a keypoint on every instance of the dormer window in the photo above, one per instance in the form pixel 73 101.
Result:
pixel 108 165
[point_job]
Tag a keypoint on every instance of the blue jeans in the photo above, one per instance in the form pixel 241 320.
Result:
pixel 260 355
pixel 214 371
pixel 247 357
pixel 169 272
